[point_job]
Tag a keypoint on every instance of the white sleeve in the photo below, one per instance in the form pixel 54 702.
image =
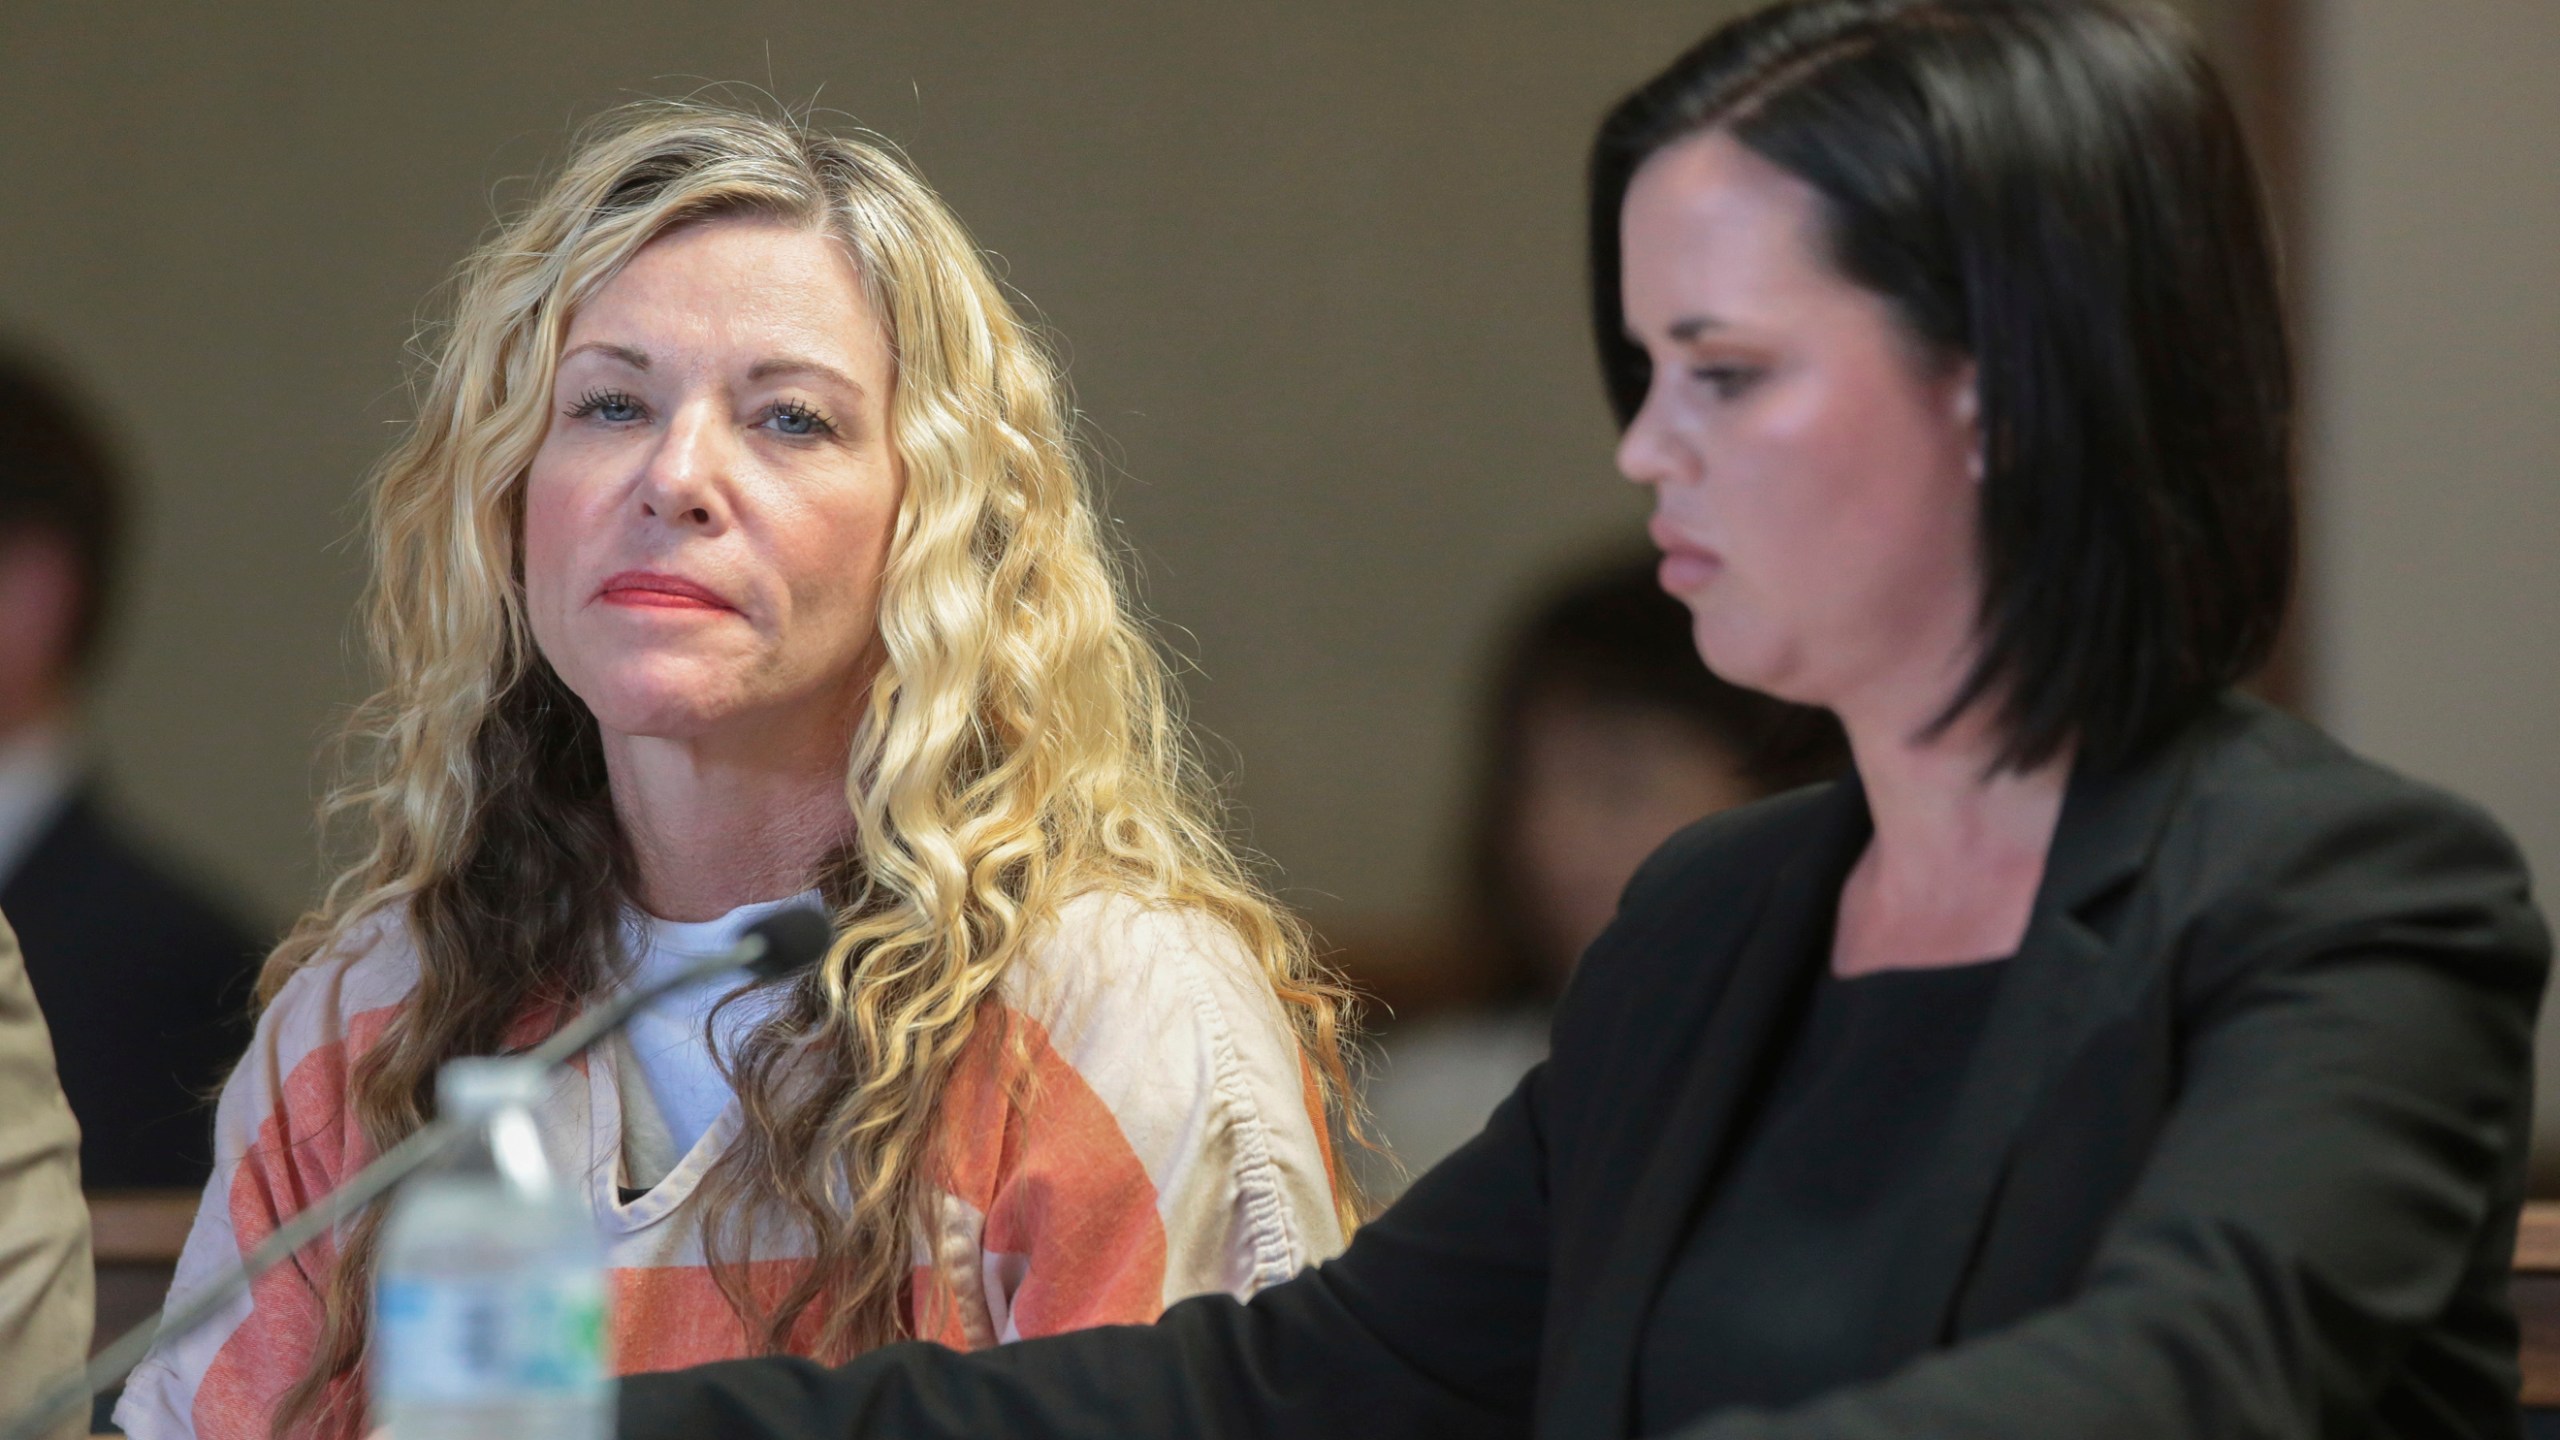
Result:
pixel 1177 1032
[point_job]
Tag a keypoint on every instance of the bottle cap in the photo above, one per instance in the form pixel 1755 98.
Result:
pixel 470 1088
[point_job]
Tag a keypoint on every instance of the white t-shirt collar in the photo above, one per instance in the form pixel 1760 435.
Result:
pixel 39 765
pixel 682 1094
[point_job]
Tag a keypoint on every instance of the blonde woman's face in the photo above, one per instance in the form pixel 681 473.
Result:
pixel 706 521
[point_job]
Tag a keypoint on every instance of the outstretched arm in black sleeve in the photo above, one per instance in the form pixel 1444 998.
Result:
pixel 1427 1326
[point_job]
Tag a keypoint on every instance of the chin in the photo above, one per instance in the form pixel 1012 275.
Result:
pixel 661 702
pixel 656 719
pixel 1751 657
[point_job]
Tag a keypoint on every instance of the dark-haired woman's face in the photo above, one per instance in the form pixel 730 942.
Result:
pixel 1814 475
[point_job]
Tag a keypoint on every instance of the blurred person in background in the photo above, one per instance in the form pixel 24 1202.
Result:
pixel 144 976
pixel 740 556
pixel 1604 736
pixel 44 1227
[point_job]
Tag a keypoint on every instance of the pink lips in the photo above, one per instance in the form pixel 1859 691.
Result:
pixel 650 590
pixel 1686 566
pixel 1683 571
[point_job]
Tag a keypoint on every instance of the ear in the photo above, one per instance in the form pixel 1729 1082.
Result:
pixel 1964 400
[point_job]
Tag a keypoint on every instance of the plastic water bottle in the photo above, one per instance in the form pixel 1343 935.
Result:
pixel 489 1295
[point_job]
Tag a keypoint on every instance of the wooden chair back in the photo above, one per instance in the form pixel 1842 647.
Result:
pixel 134 1239
pixel 2537 1300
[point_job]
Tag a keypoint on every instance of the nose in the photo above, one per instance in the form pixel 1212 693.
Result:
pixel 1647 452
pixel 685 481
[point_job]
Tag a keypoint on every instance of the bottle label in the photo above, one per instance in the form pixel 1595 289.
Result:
pixel 474 1338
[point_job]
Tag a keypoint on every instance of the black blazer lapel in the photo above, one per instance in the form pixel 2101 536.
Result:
pixel 2061 984
pixel 1590 1395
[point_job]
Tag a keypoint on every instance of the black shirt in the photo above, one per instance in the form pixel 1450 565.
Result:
pixel 1771 1298
pixel 145 982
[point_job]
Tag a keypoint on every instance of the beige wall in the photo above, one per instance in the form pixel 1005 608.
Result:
pixel 1316 262
pixel 2435 349
pixel 1317 265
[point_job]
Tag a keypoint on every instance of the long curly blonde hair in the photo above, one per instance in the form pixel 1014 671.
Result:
pixel 1019 745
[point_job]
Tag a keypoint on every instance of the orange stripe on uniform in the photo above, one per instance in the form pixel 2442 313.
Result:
pixel 668 1317
pixel 1062 1192
pixel 305 1143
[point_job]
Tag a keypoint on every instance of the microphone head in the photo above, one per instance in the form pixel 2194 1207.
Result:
pixel 793 941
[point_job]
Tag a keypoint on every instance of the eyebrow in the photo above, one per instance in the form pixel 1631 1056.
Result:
pixel 636 359
pixel 1691 328
pixel 795 365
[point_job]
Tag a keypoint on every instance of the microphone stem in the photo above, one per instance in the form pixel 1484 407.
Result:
pixel 367 1185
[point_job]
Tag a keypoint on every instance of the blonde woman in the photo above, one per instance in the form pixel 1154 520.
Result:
pixel 740 553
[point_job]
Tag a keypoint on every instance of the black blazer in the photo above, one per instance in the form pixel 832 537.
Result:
pixel 2239 1154
pixel 146 985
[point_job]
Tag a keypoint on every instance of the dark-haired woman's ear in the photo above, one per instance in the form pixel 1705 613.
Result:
pixel 1967 381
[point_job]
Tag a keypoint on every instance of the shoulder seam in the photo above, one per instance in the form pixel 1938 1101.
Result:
pixel 1257 1173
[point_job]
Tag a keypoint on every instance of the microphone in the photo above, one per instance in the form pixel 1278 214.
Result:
pixel 781 944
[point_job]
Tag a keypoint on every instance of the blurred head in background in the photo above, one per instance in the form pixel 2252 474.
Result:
pixel 61 529
pixel 1605 735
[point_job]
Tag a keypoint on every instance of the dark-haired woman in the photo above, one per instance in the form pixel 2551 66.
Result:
pixel 2111 1056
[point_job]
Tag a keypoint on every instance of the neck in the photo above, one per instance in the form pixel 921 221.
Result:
pixel 715 826
pixel 1937 803
pixel 1951 873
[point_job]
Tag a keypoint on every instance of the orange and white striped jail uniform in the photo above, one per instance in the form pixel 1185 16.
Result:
pixel 1172 1146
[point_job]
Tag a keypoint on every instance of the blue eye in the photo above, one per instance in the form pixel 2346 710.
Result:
pixel 798 420
pixel 612 406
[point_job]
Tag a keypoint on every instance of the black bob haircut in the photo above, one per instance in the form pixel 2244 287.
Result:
pixel 2059 191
